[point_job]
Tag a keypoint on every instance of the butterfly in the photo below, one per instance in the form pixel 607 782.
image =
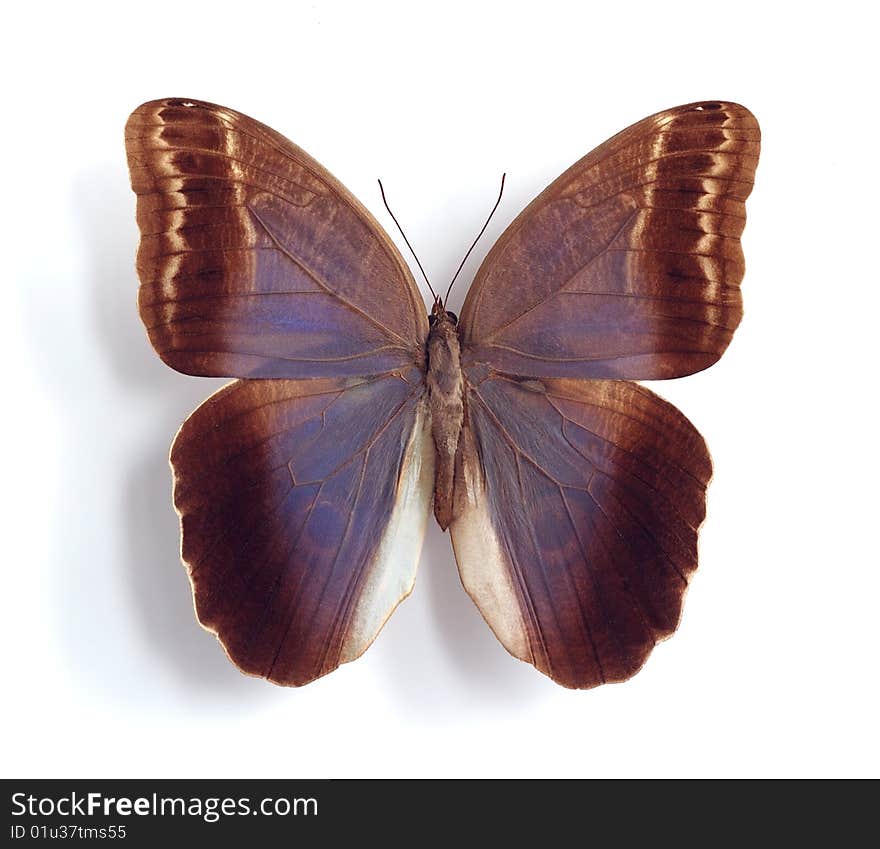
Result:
pixel 572 495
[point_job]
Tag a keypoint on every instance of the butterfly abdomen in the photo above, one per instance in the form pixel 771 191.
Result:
pixel 446 402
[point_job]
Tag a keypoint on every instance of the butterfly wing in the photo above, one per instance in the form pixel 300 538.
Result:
pixel 302 507
pixel 577 505
pixel 577 501
pixel 629 264
pixel 302 500
pixel 254 260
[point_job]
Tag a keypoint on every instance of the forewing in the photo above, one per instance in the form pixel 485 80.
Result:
pixel 255 261
pixel 302 508
pixel 577 505
pixel 629 264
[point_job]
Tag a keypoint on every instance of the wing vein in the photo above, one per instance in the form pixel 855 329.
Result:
pixel 322 283
pixel 568 280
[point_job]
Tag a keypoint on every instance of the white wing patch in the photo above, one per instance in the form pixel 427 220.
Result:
pixel 484 567
pixel 392 572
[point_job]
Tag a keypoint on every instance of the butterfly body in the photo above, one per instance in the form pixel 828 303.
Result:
pixel 445 387
pixel 573 496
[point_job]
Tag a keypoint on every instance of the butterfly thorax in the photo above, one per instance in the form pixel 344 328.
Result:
pixel 446 404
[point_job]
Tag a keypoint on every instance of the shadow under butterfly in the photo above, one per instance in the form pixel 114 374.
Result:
pixel 573 496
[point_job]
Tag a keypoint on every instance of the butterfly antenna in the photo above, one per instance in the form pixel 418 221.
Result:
pixel 394 219
pixel 479 235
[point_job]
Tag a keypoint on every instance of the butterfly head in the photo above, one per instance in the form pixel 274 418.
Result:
pixel 440 313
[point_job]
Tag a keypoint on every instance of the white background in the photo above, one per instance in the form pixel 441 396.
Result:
pixel 774 669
